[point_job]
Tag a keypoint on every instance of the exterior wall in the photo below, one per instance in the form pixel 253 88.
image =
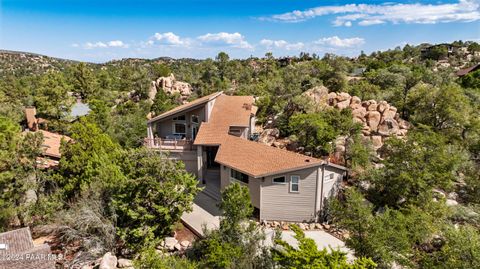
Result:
pixel 253 185
pixel 165 127
pixel 189 158
pixel 330 186
pixel 278 203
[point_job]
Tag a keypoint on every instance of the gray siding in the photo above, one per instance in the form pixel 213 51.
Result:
pixel 165 127
pixel 253 185
pixel 331 186
pixel 189 158
pixel 278 203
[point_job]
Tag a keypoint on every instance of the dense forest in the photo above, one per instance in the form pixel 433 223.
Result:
pixel 417 205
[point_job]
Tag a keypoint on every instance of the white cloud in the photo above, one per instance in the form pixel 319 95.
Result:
pixel 117 44
pixel 235 40
pixel 109 44
pixel 281 44
pixel 168 38
pixel 366 14
pixel 337 42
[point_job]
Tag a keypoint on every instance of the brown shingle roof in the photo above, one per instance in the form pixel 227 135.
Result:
pixel 52 142
pixel 465 71
pixel 260 160
pixel 17 241
pixel 21 253
pixel 187 106
pixel 227 111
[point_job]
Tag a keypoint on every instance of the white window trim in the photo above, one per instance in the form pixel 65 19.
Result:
pixel 291 184
pixel 173 119
pixel 280 183
pixel 329 178
pixel 179 122
pixel 191 119
pixel 184 122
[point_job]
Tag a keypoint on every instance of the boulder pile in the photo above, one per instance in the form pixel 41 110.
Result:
pixel 170 86
pixel 171 244
pixel 380 120
pixel 307 226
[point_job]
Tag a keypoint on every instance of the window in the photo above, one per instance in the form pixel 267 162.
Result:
pixel 236 175
pixel 294 183
pixel 235 131
pixel 329 177
pixel 195 119
pixel 179 118
pixel 279 180
pixel 179 125
pixel 179 128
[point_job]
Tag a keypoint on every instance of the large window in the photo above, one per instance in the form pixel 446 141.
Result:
pixel 294 183
pixel 179 128
pixel 236 175
pixel 179 125
pixel 279 180
pixel 179 118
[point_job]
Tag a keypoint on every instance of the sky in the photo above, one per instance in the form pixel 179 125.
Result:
pixel 103 30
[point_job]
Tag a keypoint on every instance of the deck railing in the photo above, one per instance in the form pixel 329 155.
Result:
pixel 169 144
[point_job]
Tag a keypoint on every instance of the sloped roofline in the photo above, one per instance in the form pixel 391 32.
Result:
pixel 187 106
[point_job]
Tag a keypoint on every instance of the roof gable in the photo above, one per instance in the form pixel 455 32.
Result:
pixel 227 111
pixel 187 106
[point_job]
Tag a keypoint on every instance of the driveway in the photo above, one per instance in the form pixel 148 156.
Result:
pixel 205 213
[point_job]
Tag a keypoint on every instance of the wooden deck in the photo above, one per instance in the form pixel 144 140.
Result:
pixel 169 144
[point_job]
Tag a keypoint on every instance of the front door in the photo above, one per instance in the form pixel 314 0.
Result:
pixel 211 154
pixel 194 131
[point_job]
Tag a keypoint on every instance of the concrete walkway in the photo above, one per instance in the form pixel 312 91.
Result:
pixel 321 238
pixel 205 213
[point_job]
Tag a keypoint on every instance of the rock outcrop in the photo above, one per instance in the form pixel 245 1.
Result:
pixel 380 120
pixel 109 261
pixel 170 86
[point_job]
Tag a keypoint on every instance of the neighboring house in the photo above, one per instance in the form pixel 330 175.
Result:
pixel 17 251
pixel 51 141
pixel 451 50
pixel 466 71
pixel 211 136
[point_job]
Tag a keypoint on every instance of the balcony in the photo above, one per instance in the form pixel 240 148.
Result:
pixel 169 144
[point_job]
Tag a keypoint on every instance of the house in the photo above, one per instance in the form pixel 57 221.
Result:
pixel 18 251
pixel 211 136
pixel 51 141
pixel 466 71
pixel 450 49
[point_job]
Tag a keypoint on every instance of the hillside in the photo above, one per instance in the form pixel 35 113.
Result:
pixel 26 63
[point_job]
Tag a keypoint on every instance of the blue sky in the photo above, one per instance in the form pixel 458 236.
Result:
pixel 99 30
